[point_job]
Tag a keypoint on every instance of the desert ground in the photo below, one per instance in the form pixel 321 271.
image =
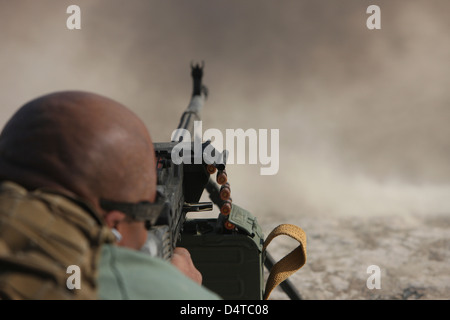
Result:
pixel 412 252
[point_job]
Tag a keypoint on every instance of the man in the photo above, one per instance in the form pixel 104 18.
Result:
pixel 60 156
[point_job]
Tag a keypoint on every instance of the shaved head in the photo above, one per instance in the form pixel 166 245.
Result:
pixel 81 143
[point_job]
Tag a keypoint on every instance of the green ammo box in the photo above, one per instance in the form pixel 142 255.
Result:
pixel 232 264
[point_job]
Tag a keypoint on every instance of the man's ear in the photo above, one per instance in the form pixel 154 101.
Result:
pixel 112 218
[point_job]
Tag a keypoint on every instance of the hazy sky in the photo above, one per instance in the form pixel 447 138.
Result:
pixel 363 114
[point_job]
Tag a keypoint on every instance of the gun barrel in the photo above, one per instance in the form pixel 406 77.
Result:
pixel 194 109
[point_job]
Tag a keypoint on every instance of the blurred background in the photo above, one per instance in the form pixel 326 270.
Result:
pixel 363 114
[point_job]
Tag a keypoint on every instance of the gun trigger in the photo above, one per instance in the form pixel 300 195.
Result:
pixel 198 207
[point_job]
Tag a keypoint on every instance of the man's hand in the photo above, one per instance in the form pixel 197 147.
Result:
pixel 181 259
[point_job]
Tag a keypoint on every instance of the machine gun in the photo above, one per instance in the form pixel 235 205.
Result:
pixel 181 183
pixel 228 250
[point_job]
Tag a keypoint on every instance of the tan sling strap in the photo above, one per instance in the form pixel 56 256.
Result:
pixel 291 263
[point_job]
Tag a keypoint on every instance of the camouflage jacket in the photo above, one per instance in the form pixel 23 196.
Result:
pixel 49 245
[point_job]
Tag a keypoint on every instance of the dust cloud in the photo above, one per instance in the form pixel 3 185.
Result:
pixel 362 114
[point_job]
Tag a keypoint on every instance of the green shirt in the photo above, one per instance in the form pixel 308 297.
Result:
pixel 130 274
